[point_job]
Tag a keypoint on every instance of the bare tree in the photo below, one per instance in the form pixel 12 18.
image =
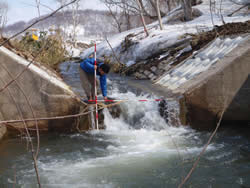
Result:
pixel 3 16
pixel 38 7
pixel 187 8
pixel 169 5
pixel 154 7
pixel 221 15
pixel 61 3
pixel 127 15
pixel 121 11
pixel 142 17
pixel 75 15
pixel 114 12
pixel 75 7
pixel 159 14
pixel 212 7
pixel 64 26
pixel 149 7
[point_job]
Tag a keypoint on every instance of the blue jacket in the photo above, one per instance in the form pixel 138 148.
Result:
pixel 88 66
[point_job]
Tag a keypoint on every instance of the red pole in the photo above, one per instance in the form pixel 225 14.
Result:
pixel 96 110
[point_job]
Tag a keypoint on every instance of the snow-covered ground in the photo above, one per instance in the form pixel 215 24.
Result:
pixel 72 51
pixel 80 38
pixel 144 47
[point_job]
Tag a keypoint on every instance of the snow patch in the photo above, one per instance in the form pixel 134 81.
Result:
pixel 129 63
pixel 72 51
pixel 144 47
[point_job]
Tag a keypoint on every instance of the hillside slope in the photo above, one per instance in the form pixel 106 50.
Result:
pixel 133 46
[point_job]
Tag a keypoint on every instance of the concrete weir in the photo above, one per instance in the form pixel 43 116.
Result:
pixel 39 90
pixel 215 79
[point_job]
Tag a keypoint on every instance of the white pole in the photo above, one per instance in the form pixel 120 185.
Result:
pixel 96 110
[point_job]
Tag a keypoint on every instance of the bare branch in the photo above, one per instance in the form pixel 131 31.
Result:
pixel 117 59
pixel 31 108
pixel 37 21
pixel 237 10
pixel 114 15
pixel 41 4
pixel 29 140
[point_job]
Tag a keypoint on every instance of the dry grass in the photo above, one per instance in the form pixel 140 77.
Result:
pixel 54 51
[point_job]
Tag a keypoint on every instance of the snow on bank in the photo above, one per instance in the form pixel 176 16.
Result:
pixel 69 30
pixel 72 51
pixel 144 47
pixel 76 52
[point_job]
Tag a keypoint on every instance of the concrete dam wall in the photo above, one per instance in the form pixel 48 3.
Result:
pixel 213 80
pixel 38 92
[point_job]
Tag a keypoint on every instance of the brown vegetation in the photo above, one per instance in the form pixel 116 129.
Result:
pixel 52 54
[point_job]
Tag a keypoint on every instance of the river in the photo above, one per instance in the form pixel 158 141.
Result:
pixel 138 149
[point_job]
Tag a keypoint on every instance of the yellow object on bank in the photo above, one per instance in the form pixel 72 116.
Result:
pixel 35 37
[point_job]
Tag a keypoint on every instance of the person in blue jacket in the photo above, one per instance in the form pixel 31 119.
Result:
pixel 87 76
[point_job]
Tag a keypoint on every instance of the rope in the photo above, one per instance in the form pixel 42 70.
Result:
pixel 60 117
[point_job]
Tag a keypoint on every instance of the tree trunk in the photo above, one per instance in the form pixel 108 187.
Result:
pixel 142 17
pixel 194 2
pixel 159 14
pixel 187 8
pixel 154 5
pixel 75 17
pixel 128 22
pixel 127 16
pixel 169 5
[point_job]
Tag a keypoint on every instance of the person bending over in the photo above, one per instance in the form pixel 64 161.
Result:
pixel 87 75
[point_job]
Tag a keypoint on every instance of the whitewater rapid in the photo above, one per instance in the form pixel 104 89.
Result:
pixel 132 146
pixel 138 149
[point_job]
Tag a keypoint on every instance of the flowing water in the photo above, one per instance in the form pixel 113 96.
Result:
pixel 138 149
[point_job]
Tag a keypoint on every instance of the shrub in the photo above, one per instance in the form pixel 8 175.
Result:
pixel 49 50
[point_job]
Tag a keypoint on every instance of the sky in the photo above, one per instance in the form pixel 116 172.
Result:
pixel 25 9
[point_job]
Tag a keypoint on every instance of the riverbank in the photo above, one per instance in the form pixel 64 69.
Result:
pixel 137 149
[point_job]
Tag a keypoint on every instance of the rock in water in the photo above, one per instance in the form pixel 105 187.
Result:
pixel 163 109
